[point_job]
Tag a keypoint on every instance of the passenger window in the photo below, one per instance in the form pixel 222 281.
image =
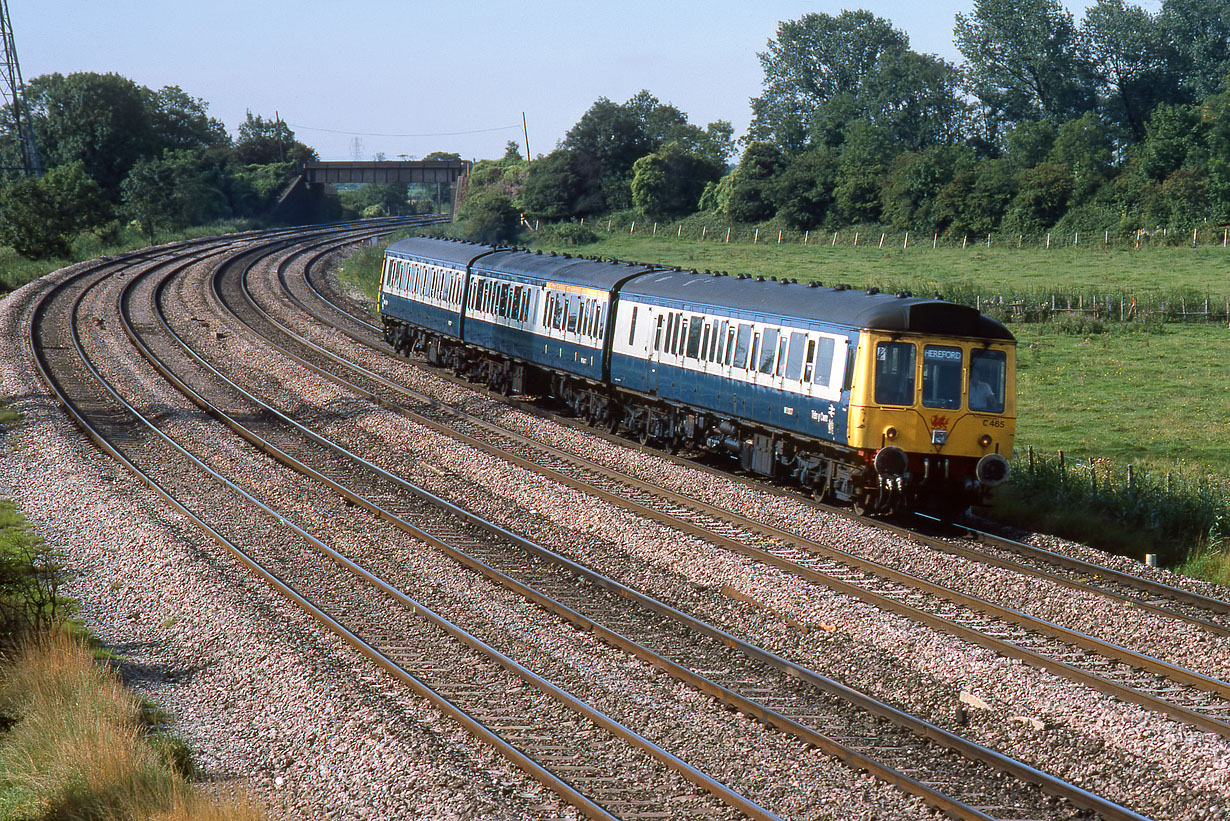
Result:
pixel 632 326
pixel 657 334
pixel 681 336
pixel 694 336
pixel 742 345
pixel 768 350
pixel 895 373
pixel 794 360
pixel 824 361
pixel 730 345
pixel 781 356
pixel 704 343
pixel 601 322
pixel 988 370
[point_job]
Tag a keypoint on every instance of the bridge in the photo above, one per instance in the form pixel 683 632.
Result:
pixel 408 171
pixel 303 201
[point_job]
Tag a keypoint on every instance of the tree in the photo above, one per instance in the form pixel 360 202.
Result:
pixel 178 121
pixel 99 119
pixel 174 191
pixel 1022 60
pixel 551 189
pixel 812 60
pixel 915 97
pixel 1133 59
pixel 263 142
pixel 39 218
pixel 1201 31
pixel 975 201
pixel 750 199
pixel 914 181
pixel 1041 200
pixel 668 183
pixel 490 217
pixel 803 193
pixel 1084 147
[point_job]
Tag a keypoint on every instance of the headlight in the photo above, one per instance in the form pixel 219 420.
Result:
pixel 890 434
pixel 985 440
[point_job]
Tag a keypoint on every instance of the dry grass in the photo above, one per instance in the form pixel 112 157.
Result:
pixel 76 746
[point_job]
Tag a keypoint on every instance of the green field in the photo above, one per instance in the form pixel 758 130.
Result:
pixel 921 269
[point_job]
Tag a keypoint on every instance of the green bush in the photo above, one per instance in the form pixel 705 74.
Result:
pixel 566 233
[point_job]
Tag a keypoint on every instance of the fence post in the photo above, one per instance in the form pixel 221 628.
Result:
pixel 934 240
pixel 1194 237
pixel 779 237
pixel 705 229
pixel 834 239
pixel 906 244
pixel 988 240
pixel 681 230
pixel 806 234
pixel 964 239
pixel 1077 240
pixel 582 222
pixel 1106 239
pixel 655 229
pixel 632 230
pixel 882 236
pixel 1031 459
pixel 608 226
pixel 1048 240
pixel 856 239
pixel 756 237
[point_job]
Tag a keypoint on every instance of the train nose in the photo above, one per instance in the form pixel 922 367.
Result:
pixel 992 470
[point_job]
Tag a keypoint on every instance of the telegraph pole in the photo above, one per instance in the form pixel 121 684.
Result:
pixel 14 91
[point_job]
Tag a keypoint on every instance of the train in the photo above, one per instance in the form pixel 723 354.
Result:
pixel 883 401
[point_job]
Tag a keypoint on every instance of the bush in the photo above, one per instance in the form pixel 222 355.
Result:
pixel 566 233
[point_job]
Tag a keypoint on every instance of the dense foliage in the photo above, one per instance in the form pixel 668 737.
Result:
pixel 1118 121
pixel 115 151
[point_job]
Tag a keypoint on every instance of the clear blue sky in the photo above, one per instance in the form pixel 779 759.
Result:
pixel 403 76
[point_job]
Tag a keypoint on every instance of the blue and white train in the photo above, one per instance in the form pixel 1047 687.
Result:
pixel 886 401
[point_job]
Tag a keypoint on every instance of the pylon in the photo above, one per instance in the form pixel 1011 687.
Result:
pixel 14 91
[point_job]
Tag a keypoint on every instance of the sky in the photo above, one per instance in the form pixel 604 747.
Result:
pixel 405 77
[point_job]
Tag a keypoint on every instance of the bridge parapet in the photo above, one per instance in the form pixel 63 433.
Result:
pixel 407 171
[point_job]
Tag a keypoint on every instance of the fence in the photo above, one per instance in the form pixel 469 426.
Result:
pixel 1208 235
pixel 1116 307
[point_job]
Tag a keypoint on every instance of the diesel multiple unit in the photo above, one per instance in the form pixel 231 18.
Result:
pixel 885 401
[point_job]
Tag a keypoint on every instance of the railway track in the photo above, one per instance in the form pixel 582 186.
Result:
pixel 350 474
pixel 1178 693
pixel 1208 613
pixel 617 773
pixel 956 776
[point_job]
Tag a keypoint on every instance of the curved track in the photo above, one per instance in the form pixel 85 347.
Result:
pixel 355 592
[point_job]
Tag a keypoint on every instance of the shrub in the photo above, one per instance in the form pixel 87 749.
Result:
pixel 566 233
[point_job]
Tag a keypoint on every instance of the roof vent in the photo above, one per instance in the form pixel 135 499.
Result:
pixel 841 287
pixel 567 256
pixel 873 291
pixel 552 253
pixel 717 273
pixel 904 295
pixel 813 284
pixel 760 279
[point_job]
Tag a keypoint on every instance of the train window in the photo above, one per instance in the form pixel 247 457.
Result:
pixel 943 369
pixel 742 345
pixel 768 350
pixel 799 344
pixel 632 326
pixel 708 343
pixel 987 372
pixel 753 357
pixel 895 373
pixel 657 333
pixel 601 321
pixel 680 322
pixel 781 356
pixel 694 336
pixel 582 315
pixel 729 345
pixel 824 361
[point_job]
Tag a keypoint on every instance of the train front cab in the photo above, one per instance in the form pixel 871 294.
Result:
pixel 933 417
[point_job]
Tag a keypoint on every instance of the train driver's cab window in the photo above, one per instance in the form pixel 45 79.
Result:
pixel 895 373
pixel 943 367
pixel 987 370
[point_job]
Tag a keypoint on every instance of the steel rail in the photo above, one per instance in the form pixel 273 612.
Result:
pixel 566 791
pixel 924 729
pixel 1026 621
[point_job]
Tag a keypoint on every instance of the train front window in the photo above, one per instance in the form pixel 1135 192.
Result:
pixel 943 367
pixel 895 373
pixel 987 372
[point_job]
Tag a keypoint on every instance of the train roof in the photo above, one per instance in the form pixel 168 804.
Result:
pixel 838 305
pixel 562 268
pixel 457 252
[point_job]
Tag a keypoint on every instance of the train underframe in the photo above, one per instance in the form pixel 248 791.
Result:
pixel 884 481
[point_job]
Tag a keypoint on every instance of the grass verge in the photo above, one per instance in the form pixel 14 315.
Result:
pixel 79 745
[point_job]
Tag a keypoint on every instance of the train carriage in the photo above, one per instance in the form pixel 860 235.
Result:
pixel 886 401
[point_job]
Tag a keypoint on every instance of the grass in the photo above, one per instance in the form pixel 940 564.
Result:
pixel 79 745
pixel 924 270
pixel 16 270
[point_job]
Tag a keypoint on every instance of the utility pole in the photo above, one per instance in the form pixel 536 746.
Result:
pixel 15 96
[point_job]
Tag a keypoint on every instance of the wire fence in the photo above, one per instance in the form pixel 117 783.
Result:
pixel 1208 236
